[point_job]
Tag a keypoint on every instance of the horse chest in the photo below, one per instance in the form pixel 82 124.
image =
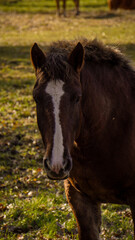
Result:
pixel 98 184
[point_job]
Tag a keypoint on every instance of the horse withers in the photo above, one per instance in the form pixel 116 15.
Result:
pixel 76 2
pixel 85 101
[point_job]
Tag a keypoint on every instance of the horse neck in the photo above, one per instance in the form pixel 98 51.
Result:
pixel 106 107
pixel 95 108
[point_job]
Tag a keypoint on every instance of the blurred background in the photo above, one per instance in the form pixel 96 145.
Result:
pixel 31 206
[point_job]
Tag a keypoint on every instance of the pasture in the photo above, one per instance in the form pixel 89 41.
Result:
pixel 31 206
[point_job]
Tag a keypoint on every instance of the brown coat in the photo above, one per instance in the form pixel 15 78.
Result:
pixel 124 4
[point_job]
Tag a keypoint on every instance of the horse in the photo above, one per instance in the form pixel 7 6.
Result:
pixel 85 106
pixel 76 2
pixel 125 4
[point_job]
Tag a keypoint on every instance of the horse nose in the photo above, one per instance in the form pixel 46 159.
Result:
pixel 46 164
pixel 67 164
pixel 55 172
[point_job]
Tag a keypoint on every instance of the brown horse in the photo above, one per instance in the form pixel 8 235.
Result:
pixel 64 7
pixel 125 4
pixel 85 100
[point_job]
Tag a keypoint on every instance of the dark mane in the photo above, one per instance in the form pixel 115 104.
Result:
pixel 95 53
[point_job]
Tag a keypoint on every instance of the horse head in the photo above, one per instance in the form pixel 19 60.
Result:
pixel 57 94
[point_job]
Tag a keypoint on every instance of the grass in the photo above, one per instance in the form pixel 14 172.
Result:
pixel 31 206
pixel 46 6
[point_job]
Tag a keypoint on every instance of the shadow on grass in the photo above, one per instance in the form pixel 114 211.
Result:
pixel 10 53
pixel 108 15
pixel 14 64
pixel 96 6
pixel 14 55
pixel 16 147
pixel 101 15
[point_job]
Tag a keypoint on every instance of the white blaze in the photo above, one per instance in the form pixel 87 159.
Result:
pixel 55 90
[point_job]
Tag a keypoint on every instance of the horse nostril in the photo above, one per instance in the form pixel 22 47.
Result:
pixel 68 164
pixel 46 164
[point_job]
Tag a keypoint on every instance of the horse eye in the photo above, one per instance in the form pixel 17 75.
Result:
pixel 37 98
pixel 76 98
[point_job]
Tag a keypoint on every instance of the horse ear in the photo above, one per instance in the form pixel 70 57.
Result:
pixel 38 58
pixel 76 57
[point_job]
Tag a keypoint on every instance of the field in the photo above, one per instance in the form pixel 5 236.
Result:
pixel 31 206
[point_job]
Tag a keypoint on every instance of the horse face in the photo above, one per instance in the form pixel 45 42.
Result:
pixel 58 117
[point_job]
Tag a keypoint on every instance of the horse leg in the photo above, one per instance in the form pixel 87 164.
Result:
pixel 77 7
pixel 87 213
pixel 132 207
pixel 58 7
pixel 64 8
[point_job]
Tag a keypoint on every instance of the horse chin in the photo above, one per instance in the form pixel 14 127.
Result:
pixel 57 177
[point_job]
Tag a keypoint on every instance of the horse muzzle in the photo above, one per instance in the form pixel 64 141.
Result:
pixel 58 173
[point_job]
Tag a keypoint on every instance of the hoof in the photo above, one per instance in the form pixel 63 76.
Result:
pixel 77 13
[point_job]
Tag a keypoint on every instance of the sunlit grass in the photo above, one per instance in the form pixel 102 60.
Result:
pixel 47 6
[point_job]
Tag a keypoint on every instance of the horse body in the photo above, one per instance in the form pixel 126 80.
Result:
pixel 108 116
pixel 95 117
pixel 125 4
pixel 76 2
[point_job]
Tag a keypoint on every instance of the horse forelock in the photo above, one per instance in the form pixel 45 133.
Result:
pixel 56 67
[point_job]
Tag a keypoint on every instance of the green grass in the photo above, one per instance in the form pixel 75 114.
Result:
pixel 31 206
pixel 47 6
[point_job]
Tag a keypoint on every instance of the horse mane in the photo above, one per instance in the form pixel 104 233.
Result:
pixel 108 85
pixel 95 52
